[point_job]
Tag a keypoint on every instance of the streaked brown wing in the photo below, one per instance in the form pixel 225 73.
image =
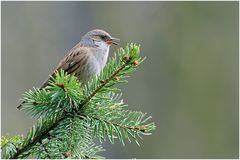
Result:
pixel 72 62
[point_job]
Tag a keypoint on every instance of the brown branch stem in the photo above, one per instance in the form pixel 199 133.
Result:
pixel 45 133
pixel 133 128
pixel 36 139
pixel 104 83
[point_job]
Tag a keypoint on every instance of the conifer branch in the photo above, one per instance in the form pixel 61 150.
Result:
pixel 71 138
pixel 70 116
pixel 104 83
pixel 45 149
pixel 43 134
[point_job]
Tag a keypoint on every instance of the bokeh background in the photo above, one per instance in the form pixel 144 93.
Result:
pixel 188 83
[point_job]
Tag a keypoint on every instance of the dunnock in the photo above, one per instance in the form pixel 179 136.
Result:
pixel 87 58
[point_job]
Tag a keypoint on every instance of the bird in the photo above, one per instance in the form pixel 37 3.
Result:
pixel 87 58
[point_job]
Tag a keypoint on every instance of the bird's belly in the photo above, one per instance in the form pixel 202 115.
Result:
pixel 92 68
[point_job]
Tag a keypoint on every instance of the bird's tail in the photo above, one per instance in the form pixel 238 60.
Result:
pixel 20 106
pixel 43 86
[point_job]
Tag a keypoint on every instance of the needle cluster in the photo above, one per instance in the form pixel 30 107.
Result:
pixel 71 116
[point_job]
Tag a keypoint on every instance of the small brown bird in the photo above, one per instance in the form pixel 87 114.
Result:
pixel 87 58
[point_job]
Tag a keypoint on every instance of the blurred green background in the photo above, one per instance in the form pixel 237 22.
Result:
pixel 188 83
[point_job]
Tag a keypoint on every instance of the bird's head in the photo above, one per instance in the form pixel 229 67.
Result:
pixel 98 39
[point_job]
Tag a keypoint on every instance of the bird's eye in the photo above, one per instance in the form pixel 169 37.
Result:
pixel 102 37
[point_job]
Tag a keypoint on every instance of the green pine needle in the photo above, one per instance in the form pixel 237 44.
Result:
pixel 71 116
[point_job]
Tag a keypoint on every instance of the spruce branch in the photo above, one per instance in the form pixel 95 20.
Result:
pixel 70 115
pixel 123 63
pixel 36 134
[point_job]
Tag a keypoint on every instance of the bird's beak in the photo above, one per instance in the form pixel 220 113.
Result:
pixel 113 40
